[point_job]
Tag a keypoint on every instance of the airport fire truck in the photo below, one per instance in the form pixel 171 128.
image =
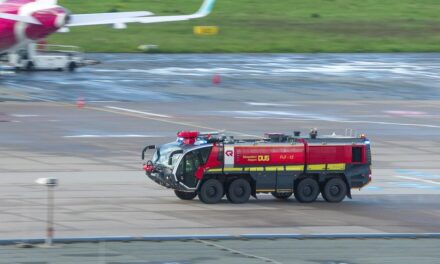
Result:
pixel 210 167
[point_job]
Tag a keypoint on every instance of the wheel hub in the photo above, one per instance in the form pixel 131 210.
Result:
pixel 239 191
pixel 335 190
pixel 308 190
pixel 211 191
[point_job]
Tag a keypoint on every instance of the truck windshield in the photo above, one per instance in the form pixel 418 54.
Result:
pixel 163 154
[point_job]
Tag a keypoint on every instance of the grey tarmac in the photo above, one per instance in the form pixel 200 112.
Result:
pixel 349 251
pixel 95 150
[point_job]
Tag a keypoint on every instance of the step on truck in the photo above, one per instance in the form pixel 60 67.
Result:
pixel 211 166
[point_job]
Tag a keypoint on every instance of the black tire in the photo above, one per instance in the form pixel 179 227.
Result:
pixel 239 191
pixel 72 67
pixel 30 66
pixel 307 190
pixel 335 190
pixel 282 196
pixel 211 191
pixel 185 195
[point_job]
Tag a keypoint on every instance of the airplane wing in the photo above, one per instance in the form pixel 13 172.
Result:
pixel 204 10
pixel 135 17
pixel 106 18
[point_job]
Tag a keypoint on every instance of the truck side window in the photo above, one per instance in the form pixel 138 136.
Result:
pixel 356 154
pixel 220 154
pixel 191 163
pixel 204 154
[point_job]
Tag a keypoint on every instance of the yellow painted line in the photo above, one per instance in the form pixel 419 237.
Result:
pixel 254 169
pixel 275 168
pixel 295 168
pixel 215 170
pixel 233 169
pixel 265 190
pixel 339 166
pixel 316 167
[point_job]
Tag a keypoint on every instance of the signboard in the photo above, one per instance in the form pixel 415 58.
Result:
pixel 206 30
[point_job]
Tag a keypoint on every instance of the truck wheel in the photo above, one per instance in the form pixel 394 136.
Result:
pixel 335 190
pixel 282 196
pixel 307 190
pixel 211 191
pixel 185 195
pixel 72 67
pixel 239 191
pixel 30 66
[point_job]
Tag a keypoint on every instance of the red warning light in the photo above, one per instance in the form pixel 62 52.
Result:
pixel 189 137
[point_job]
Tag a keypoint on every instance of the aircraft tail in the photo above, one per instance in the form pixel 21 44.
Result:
pixel 206 8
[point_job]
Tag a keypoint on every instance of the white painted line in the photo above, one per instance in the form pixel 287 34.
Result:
pixel 112 136
pixel 276 118
pixel 268 104
pixel 406 113
pixel 19 115
pixel 136 112
pixel 97 101
pixel 388 123
pixel 242 253
pixel 343 121
pixel 417 179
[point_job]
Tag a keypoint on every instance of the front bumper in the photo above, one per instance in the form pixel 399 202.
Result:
pixel 164 179
pixel 167 180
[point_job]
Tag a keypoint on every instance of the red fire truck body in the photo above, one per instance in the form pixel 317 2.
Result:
pixel 281 165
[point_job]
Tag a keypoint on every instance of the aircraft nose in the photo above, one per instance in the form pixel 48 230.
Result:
pixel 63 17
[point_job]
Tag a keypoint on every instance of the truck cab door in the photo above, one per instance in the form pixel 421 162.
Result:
pixel 190 163
pixel 187 170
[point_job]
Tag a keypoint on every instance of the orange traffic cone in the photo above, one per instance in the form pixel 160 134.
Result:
pixel 217 79
pixel 80 103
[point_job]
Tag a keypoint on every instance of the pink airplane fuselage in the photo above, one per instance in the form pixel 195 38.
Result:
pixel 14 34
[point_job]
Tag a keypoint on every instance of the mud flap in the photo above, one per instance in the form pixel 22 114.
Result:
pixel 349 193
pixel 347 182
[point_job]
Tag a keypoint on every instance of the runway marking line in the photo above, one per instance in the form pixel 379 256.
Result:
pixel 111 136
pixel 340 121
pixel 137 112
pixel 234 251
pixel 417 179
pixel 166 120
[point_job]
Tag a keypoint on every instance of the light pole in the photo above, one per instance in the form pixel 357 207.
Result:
pixel 51 183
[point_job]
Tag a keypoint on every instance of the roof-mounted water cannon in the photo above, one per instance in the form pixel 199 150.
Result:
pixel 276 137
pixel 210 134
pixel 229 140
pixel 188 137
pixel 210 137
